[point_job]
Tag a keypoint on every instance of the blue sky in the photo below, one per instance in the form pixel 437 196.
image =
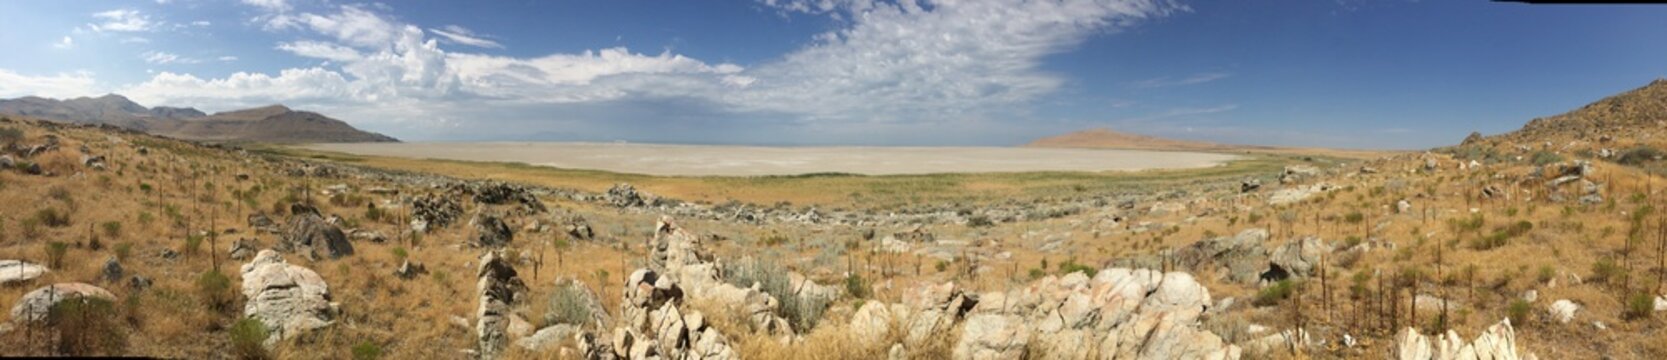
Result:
pixel 1346 73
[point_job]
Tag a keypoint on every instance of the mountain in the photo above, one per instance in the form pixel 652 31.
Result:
pixel 275 124
pixel 1634 112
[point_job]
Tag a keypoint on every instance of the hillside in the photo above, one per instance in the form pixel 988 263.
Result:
pixel 1103 138
pixel 1629 128
pixel 272 124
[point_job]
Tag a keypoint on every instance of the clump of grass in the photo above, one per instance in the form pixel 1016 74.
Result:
pixel 1639 306
pixel 248 337
pixel 112 229
pixel 214 290
pixel 1070 266
pixel 55 252
pixel 87 326
pixel 1275 293
pixel 856 286
pixel 367 351
pixel 1518 312
pixel 1543 158
pixel 123 250
pixel 193 244
pixel 1605 270
pixel 52 217
pixel 802 311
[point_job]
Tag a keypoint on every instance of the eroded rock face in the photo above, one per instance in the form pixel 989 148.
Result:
pixel 499 288
pixel 433 212
pixel 35 305
pixel 624 195
pixel 491 231
pixel 288 299
pixel 1498 342
pixel 501 193
pixel 1298 258
pixel 13 271
pixel 308 234
pixel 1242 257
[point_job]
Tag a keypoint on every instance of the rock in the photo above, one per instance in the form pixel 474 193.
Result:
pixel 1492 191
pixel 431 212
pixel 37 304
pixel 288 299
pixel 916 234
pixel 93 161
pixel 240 249
pixel 579 229
pixel 1403 206
pixel 1166 208
pixel 1531 295
pixel 1297 173
pixel 309 235
pixel 138 283
pixel 1473 138
pixel 501 193
pixel 1249 185
pixel 623 195
pixel 491 231
pixel 1241 256
pixel 13 271
pixel 367 235
pixel 261 223
pixel 1497 342
pixel 1563 310
pixel 1296 194
pixel 7 162
pixel 410 269
pixel 168 254
pixel 499 289
pixel 988 336
pixel 1296 258
pixel 112 270
pixel 1661 303
pixel 547 338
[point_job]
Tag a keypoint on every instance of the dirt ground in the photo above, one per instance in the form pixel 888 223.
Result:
pixel 708 160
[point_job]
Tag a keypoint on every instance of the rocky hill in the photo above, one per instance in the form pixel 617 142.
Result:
pixel 271 124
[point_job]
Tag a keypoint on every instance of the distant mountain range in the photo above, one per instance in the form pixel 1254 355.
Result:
pixel 271 124
pixel 1103 138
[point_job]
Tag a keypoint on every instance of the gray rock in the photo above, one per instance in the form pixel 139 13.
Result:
pixel 547 338
pixel 491 231
pixel 307 233
pixel 35 305
pixel 288 299
pixel 14 271
pixel 112 270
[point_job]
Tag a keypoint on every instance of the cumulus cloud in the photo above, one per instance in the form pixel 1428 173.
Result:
pixel 122 20
pixel 68 85
pixel 460 35
pixel 890 65
pixel 65 43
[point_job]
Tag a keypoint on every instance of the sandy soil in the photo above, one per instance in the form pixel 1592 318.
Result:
pixel 703 160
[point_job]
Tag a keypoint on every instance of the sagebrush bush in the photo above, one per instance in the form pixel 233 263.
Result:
pixel 1518 312
pixel 569 305
pixel 1639 305
pixel 802 311
pixel 52 217
pixel 87 326
pixel 215 290
pixel 1275 293
pixel 248 337
pixel 55 252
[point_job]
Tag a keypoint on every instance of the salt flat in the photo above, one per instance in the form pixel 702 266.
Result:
pixel 726 160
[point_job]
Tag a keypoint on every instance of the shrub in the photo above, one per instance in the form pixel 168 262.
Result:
pixel 1605 270
pixel 1070 266
pixel 979 221
pixel 10 135
pixel 214 289
pixel 1639 156
pixel 123 250
pixel 192 244
pixel 248 337
pixel 366 351
pixel 400 254
pixel 112 229
pixel 1639 305
pixel 55 252
pixel 52 217
pixel 856 286
pixel 802 311
pixel 1354 217
pixel 30 227
pixel 1546 274
pixel 1275 293
pixel 87 326
pixel 1543 158
pixel 569 305
pixel 1518 312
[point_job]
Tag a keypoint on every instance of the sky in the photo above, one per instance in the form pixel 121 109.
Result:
pixel 1383 74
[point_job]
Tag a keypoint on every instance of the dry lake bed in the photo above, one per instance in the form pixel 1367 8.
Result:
pixel 726 160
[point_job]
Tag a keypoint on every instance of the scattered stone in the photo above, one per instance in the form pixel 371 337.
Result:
pixel 138 283
pixel 241 249
pixel 112 270
pixel 1249 185
pixel 261 223
pixel 36 305
pixel 1241 257
pixel 499 288
pixel 1297 173
pixel 1498 342
pixel 410 269
pixel 546 338
pixel 624 195
pixel 1296 258
pixel 1403 206
pixel 289 299
pixel 1563 310
pixel 433 212
pixel 579 229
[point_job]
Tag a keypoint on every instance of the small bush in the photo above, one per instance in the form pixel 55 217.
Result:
pixel 1272 295
pixel 979 221
pixel 1354 217
pixel 1639 156
pixel 248 338
pixel 803 312
pixel 55 252
pixel 856 286
pixel 214 289
pixel 1518 312
pixel 400 254
pixel 193 243
pixel 1543 158
pixel 52 217
pixel 112 229
pixel 569 305
pixel 366 351
pixel 10 135
pixel 1639 306
pixel 123 250
pixel 1546 274
pixel 1605 270
pixel 87 326
pixel 1070 266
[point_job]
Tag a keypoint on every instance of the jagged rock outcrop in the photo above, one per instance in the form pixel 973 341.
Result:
pixel 308 234
pixel 1241 258
pixel 679 255
pixel 1297 258
pixel 624 195
pixel 1298 173
pixel 14 271
pixel 433 212
pixel 1292 195
pixel 37 304
pixel 1498 342
pixel 491 231
pixel 499 288
pixel 579 229
pixel 288 299
pixel 500 193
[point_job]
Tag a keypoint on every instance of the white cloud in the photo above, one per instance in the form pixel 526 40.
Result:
pixel 1195 79
pixel 201 23
pixel 135 40
pixel 269 5
pixel 67 85
pixel 162 57
pixel 122 20
pixel 320 50
pixel 460 35
pixel 65 43
pixel 353 25
pixel 227 58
